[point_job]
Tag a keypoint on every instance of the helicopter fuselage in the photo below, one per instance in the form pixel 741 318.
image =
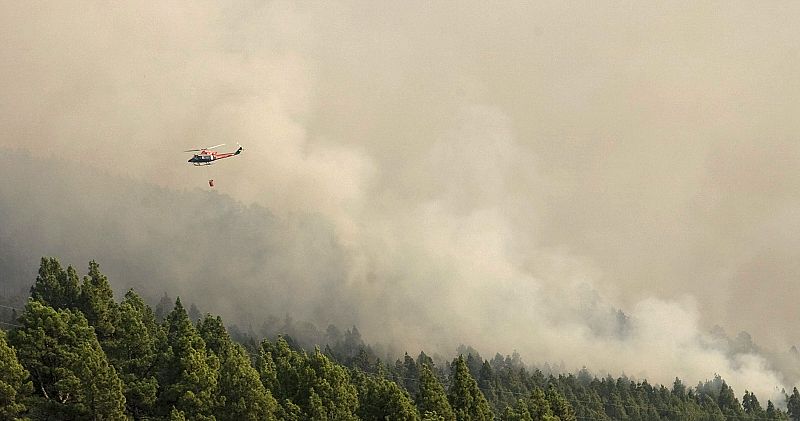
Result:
pixel 206 157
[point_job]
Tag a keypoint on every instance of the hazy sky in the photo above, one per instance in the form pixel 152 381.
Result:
pixel 508 168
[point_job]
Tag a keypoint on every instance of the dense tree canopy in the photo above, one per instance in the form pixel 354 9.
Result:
pixel 468 403
pixel 188 380
pixel 75 353
pixel 431 398
pixel 14 383
pixel 67 365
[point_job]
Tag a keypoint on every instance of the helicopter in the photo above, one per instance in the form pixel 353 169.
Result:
pixel 205 156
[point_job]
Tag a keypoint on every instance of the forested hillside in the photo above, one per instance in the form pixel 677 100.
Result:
pixel 74 352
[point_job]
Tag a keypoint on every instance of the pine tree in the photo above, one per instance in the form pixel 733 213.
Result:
pixel 214 334
pixel 535 407
pixel 423 358
pixel 410 374
pixel 559 405
pixel 773 413
pixel 267 371
pixel 243 396
pixel 54 286
pixel 487 384
pixel 431 398
pixel 467 401
pixel 97 303
pixel 727 401
pixel 67 365
pixel 15 385
pixel 517 413
pixel 679 389
pixel 382 399
pixel 133 349
pixel 332 383
pixel 793 405
pixel 189 378
pixel 313 383
pixel 751 405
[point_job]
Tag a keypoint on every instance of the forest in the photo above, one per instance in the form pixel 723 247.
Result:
pixel 74 352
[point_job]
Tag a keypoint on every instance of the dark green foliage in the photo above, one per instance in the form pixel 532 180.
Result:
pixel 467 401
pixel 242 395
pixel 245 397
pixel 67 365
pixel 535 407
pixel 214 334
pixel 56 287
pixel 431 399
pixel 408 374
pixel 793 405
pixel 487 383
pixel 771 413
pixel 189 378
pixel 751 405
pixel 560 407
pixel 97 302
pixel 678 389
pixel 382 399
pixel 134 349
pixel 15 385
pixel 91 358
pixel 728 403
pixel 313 383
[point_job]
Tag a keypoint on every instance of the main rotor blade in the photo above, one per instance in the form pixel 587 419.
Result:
pixel 217 146
pixel 194 150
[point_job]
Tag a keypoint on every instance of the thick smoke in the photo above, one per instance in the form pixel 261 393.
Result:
pixel 506 175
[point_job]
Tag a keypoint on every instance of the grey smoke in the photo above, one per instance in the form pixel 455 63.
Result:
pixel 505 174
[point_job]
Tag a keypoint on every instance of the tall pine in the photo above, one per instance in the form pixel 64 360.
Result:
pixel 56 287
pixel 307 386
pixel 97 302
pixel 467 401
pixel 560 406
pixel 382 399
pixel 189 377
pixel 15 385
pixel 69 370
pixel 134 349
pixel 242 395
pixel 534 407
pixel 793 405
pixel 431 398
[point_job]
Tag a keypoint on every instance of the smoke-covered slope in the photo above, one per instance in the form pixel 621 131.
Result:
pixel 239 260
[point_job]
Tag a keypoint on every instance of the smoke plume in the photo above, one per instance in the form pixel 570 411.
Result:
pixel 509 175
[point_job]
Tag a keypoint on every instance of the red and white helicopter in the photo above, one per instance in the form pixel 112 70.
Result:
pixel 205 156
